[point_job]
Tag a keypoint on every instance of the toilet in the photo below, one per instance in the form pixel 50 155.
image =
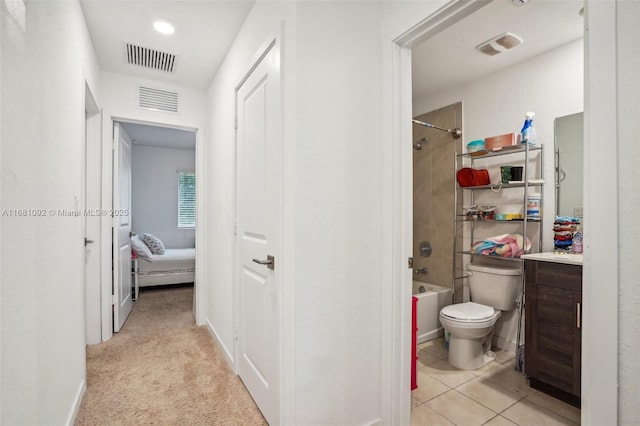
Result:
pixel 492 290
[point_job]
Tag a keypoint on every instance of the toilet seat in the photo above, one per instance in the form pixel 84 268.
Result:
pixel 469 312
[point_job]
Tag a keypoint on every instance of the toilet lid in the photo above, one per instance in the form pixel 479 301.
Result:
pixel 468 311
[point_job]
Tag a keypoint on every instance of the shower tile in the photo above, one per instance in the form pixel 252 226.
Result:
pixel 460 409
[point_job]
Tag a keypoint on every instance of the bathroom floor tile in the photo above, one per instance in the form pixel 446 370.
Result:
pixel 526 413
pixel 444 373
pixel 460 409
pixel 499 421
pixel 504 357
pixel 436 348
pixel 428 388
pixel 555 405
pixel 490 395
pixel 425 416
pixel 492 366
pixel 426 357
pixel 508 378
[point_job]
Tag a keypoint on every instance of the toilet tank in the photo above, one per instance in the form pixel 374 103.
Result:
pixel 494 286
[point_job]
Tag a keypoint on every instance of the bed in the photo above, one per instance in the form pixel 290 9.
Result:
pixel 175 266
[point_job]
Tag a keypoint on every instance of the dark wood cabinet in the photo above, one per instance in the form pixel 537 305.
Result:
pixel 553 301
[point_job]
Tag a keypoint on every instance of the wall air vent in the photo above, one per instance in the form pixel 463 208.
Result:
pixel 157 99
pixel 149 58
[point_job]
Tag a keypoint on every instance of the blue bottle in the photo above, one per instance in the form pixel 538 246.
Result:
pixel 528 133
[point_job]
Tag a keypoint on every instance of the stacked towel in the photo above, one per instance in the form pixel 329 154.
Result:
pixel 564 228
pixel 505 245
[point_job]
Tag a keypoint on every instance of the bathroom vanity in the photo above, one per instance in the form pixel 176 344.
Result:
pixel 553 316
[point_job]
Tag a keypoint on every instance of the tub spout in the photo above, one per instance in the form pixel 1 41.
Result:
pixel 421 271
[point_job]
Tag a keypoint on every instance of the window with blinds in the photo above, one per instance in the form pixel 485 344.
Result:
pixel 186 199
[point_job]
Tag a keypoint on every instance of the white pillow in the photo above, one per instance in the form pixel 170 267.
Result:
pixel 154 243
pixel 140 248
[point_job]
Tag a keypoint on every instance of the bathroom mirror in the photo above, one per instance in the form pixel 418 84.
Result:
pixel 568 131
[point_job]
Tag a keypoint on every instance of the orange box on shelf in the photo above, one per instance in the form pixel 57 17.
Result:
pixel 496 143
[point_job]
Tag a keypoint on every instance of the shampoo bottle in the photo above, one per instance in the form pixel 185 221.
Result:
pixel 528 132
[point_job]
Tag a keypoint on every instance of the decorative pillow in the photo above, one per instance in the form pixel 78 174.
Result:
pixel 154 243
pixel 140 248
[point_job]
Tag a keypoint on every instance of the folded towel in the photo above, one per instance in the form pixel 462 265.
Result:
pixel 505 245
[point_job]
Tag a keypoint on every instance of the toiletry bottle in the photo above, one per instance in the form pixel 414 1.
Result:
pixel 577 241
pixel 528 132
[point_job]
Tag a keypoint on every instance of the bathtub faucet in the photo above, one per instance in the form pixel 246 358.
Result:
pixel 421 271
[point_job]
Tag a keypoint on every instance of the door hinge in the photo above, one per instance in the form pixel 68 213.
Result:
pixel 235 228
pixel 113 299
pixel 235 123
pixel 410 263
pixel 235 332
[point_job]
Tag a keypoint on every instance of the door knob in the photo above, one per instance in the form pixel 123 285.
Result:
pixel 88 241
pixel 270 262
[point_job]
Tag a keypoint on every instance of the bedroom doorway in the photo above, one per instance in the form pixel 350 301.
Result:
pixel 163 209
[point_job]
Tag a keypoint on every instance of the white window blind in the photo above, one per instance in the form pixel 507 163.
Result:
pixel 186 199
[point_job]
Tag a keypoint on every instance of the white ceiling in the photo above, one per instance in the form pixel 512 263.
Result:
pixel 163 137
pixel 204 32
pixel 450 59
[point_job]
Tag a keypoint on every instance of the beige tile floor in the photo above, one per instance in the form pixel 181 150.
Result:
pixel 494 395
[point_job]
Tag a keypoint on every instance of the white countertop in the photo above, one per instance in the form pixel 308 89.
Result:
pixel 568 258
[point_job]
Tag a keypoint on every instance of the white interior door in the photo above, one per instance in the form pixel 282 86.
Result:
pixel 122 299
pixel 258 212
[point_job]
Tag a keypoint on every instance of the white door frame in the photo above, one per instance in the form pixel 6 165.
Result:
pixel 92 130
pixel 402 239
pixel 106 235
pixel 599 341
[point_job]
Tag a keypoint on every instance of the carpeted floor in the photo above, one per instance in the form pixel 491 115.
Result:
pixel 162 369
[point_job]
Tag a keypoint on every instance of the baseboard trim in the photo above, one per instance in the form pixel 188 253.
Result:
pixel 227 354
pixel 75 408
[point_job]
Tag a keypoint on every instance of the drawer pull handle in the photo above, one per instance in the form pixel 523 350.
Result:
pixel 579 314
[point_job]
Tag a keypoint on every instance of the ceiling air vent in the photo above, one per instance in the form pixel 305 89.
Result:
pixel 499 44
pixel 149 58
pixel 157 99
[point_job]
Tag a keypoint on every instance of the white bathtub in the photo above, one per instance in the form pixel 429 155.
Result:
pixel 429 304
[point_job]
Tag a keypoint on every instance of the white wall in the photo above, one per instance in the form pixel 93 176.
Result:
pixel 628 34
pixel 154 193
pixel 45 63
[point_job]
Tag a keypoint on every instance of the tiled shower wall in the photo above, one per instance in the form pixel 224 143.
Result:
pixel 433 196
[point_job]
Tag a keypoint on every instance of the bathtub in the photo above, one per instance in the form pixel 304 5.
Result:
pixel 429 304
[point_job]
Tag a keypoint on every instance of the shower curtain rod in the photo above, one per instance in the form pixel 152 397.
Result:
pixel 457 133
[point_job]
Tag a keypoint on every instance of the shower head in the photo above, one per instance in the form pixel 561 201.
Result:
pixel 418 145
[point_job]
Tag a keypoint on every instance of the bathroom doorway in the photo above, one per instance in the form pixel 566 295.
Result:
pixel 448 70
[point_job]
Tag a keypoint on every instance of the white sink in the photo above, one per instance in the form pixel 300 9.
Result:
pixel 568 258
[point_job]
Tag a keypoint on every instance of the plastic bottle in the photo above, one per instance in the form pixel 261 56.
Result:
pixel 528 132
pixel 577 241
pixel 533 205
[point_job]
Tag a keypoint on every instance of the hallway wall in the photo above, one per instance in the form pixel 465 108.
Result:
pixel 46 56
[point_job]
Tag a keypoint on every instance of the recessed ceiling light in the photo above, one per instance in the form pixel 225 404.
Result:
pixel 164 27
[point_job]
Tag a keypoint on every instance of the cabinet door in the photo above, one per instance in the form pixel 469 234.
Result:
pixel 555 336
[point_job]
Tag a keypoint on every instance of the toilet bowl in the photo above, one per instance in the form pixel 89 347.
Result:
pixel 471 324
pixel 471 328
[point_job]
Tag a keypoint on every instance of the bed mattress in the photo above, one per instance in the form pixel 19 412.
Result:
pixel 171 260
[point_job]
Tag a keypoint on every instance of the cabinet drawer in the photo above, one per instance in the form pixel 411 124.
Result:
pixel 554 274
